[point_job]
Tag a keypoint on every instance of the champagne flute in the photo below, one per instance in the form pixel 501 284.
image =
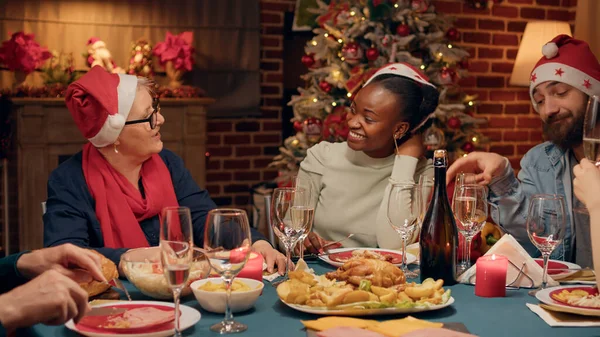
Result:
pixel 176 251
pixel 403 212
pixel 463 179
pixel 304 184
pixel 546 226
pixel 471 210
pixel 227 245
pixel 292 217
pixel 591 137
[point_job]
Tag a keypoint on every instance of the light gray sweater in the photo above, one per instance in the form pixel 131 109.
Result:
pixel 350 192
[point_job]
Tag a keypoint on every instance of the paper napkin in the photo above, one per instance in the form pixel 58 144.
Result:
pixel 509 247
pixel 555 319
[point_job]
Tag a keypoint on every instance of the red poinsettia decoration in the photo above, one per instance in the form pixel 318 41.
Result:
pixel 178 49
pixel 23 53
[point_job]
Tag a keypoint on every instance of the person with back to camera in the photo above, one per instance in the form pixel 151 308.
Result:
pixel 109 196
pixel 352 179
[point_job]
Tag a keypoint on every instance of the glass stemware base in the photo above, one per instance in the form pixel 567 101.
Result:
pixel 229 327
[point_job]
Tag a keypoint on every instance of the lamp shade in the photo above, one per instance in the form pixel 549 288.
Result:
pixel 537 33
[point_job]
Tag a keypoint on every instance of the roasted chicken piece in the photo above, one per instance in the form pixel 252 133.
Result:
pixel 380 273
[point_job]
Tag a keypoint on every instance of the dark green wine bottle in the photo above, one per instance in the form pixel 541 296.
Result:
pixel 439 234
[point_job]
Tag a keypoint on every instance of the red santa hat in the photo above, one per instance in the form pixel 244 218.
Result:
pixel 569 61
pixel 100 103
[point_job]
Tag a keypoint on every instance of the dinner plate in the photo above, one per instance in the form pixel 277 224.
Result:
pixel 367 312
pixel 559 269
pixel 189 317
pixel 336 257
pixel 545 296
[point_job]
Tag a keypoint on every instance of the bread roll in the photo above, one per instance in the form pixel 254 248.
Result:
pixel 109 270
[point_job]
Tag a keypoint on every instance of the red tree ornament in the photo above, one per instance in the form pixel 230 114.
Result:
pixel 308 60
pixel 313 129
pixel 419 6
pixel 453 34
pixel 454 122
pixel 325 86
pixel 298 126
pixel 468 147
pixel 352 53
pixel 403 30
pixel 372 54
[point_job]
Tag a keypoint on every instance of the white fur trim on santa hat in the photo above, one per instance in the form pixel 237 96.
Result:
pixel 399 69
pixel 565 74
pixel 113 125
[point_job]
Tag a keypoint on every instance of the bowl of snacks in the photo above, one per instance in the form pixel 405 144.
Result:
pixel 210 293
pixel 143 269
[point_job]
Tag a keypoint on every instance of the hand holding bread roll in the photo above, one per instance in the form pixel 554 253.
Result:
pixel 109 271
pixel 67 259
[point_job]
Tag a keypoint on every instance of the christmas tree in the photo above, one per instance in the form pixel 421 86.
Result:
pixel 353 38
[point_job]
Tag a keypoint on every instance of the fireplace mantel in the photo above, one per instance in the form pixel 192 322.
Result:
pixel 45 134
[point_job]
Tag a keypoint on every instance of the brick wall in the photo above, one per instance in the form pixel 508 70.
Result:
pixel 241 149
pixel 492 37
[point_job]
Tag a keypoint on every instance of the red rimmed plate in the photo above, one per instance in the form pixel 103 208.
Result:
pixel 161 325
pixel 337 257
pixel 559 269
pixel 545 296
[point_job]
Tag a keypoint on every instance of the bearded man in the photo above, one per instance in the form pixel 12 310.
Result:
pixel 560 85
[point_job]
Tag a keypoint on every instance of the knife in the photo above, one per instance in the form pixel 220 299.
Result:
pixel 106 311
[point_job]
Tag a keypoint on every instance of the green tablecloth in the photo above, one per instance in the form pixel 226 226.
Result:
pixel 482 316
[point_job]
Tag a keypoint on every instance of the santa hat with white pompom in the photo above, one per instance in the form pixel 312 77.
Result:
pixel 569 61
pixel 100 103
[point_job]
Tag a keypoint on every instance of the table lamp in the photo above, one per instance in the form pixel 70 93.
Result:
pixel 537 33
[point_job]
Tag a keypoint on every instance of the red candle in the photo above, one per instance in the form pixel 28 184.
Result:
pixel 490 274
pixel 253 268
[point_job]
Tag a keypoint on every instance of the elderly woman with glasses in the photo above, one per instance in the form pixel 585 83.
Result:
pixel 109 196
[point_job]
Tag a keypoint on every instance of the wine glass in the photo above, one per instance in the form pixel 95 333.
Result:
pixel 403 212
pixel 176 251
pixel 471 210
pixel 292 217
pixel 591 137
pixel 546 226
pixel 304 184
pixel 463 179
pixel 227 245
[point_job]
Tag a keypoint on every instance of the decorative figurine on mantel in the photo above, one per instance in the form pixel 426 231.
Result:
pixel 99 55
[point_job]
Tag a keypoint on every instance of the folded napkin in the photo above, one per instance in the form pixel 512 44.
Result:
pixel 509 247
pixel 583 275
pixel 554 318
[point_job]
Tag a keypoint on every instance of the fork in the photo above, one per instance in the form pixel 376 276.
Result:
pixel 338 241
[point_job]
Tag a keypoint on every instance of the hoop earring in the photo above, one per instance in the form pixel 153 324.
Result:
pixel 115 148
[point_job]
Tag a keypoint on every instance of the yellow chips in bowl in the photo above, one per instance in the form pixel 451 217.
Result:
pixel 220 287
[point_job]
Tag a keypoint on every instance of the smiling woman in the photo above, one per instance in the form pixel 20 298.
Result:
pixel 384 145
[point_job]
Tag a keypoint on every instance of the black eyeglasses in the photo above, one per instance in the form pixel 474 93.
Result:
pixel 152 118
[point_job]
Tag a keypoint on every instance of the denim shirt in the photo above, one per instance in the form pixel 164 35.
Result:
pixel 545 169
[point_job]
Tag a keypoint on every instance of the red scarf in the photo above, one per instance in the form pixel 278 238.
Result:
pixel 119 205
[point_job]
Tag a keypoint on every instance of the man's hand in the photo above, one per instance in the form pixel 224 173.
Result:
pixel 271 256
pixel 412 147
pixel 67 259
pixel 51 298
pixel 485 165
pixel 587 183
